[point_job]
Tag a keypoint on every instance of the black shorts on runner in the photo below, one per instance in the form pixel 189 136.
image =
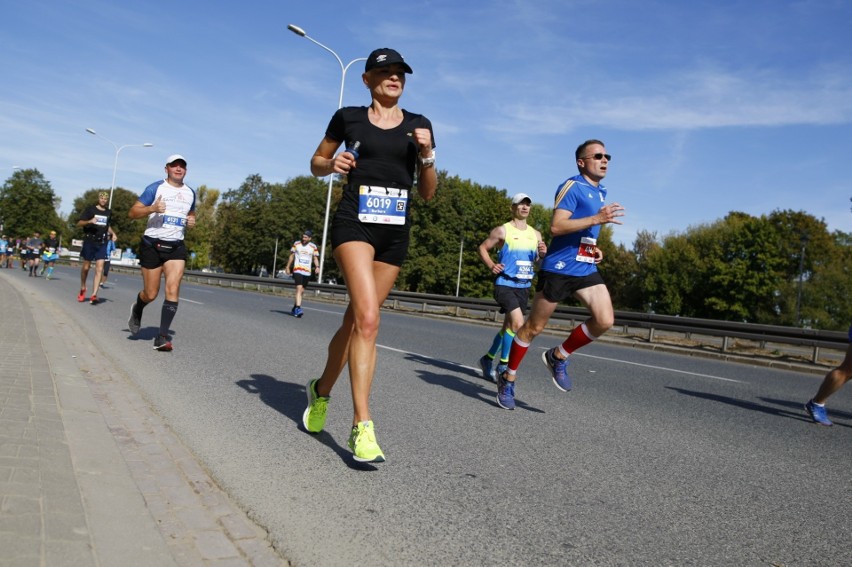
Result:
pixel 301 279
pixel 511 298
pixel 557 288
pixel 389 241
pixel 93 251
pixel 153 252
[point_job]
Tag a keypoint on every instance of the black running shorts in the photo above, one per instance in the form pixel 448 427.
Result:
pixel 153 252
pixel 511 298
pixel 557 288
pixel 301 279
pixel 389 241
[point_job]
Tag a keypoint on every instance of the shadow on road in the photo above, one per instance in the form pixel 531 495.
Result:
pixel 797 405
pixel 481 390
pixel 289 400
pixel 796 412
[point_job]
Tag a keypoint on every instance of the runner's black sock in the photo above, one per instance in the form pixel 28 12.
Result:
pixel 167 316
pixel 139 306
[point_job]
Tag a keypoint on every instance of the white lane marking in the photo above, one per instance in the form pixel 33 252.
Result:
pixel 575 354
pixel 321 310
pixel 426 357
pixel 659 368
pixel 191 301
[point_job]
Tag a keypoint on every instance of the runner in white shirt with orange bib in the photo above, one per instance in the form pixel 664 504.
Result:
pixel 303 253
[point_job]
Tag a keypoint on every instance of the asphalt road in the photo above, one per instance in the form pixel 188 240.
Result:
pixel 652 459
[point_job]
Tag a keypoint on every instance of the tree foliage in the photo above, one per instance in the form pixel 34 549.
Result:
pixel 256 215
pixel 199 239
pixel 783 268
pixel 28 204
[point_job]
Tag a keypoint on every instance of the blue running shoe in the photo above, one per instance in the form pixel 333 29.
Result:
pixel 501 368
pixel 485 366
pixel 558 369
pixel 818 413
pixel 505 393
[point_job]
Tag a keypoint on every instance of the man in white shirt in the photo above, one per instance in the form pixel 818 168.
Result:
pixel 170 208
pixel 303 253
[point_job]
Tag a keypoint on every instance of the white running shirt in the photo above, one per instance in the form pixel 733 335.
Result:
pixel 180 201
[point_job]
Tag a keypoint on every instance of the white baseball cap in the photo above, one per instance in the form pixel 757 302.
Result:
pixel 173 158
pixel 520 197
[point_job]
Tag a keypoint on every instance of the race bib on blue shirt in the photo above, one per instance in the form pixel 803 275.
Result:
pixel 174 220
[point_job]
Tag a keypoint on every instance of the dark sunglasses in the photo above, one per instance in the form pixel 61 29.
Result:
pixel 599 157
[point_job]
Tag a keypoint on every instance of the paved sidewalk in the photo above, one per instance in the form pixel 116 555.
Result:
pixel 89 474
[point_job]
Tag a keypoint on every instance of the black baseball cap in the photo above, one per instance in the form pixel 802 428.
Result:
pixel 385 56
pixel 308 233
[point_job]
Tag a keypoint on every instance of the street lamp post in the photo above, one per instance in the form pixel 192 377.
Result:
pixel 115 164
pixel 343 68
pixel 804 242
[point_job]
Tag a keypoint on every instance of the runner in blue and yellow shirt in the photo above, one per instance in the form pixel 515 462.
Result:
pixel 521 250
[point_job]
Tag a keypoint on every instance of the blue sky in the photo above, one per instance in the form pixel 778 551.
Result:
pixel 707 107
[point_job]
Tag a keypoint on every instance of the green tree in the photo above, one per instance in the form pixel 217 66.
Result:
pixel 670 273
pixel 254 216
pixel 742 270
pixel 804 248
pixel 28 204
pixel 199 239
pixel 827 293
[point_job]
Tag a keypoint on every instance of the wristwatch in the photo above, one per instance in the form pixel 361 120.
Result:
pixel 427 161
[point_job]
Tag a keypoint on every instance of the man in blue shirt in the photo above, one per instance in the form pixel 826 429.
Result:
pixel 569 269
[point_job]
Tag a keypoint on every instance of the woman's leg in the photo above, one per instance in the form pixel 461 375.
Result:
pixel 368 284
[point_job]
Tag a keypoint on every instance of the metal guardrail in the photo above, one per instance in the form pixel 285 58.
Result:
pixel 564 316
pixel 652 323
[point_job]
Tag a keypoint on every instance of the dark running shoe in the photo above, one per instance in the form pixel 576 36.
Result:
pixel 162 343
pixel 485 367
pixel 558 369
pixel 134 322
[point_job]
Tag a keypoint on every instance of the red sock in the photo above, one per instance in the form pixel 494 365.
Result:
pixel 579 337
pixel 517 354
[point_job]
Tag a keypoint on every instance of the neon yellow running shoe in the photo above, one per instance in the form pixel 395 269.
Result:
pixel 314 417
pixel 362 441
